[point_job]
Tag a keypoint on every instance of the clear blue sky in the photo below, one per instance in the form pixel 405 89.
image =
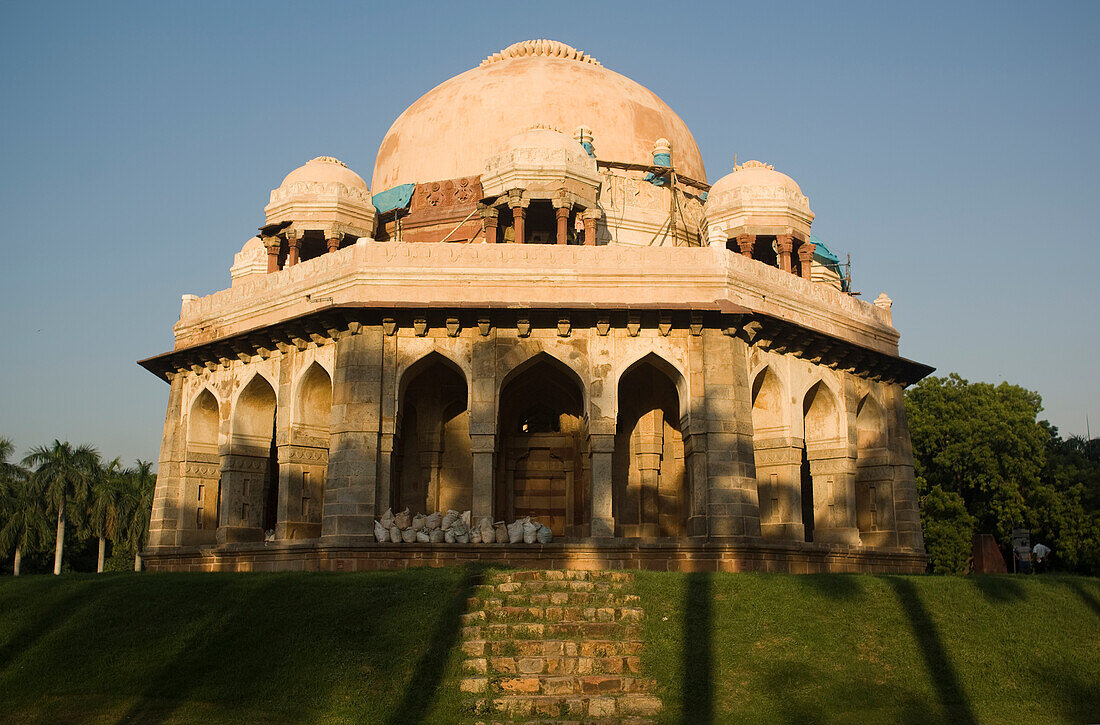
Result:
pixel 950 149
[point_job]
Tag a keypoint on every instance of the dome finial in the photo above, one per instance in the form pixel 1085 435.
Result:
pixel 545 48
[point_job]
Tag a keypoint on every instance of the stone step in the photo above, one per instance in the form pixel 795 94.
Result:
pixel 538 587
pixel 552 665
pixel 586 721
pixel 551 630
pixel 547 575
pixel 559 598
pixel 592 685
pixel 555 614
pixel 570 706
pixel 476 648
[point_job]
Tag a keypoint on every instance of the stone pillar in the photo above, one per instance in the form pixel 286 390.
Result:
pixel 332 239
pixel 489 218
pixel 601 448
pixel 650 440
pixel 779 487
pixel 695 438
pixel 732 506
pixel 518 204
pixel 746 242
pixel 388 435
pixel 164 522
pixel 294 243
pixel 483 423
pixel 906 509
pixel 590 217
pixel 806 258
pixel 350 492
pixel 785 244
pixel 274 246
pixel 561 214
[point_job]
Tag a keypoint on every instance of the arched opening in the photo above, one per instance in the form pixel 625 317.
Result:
pixel 874 475
pixel 777 459
pixel 199 492
pixel 305 462
pixel 649 485
pixel 250 473
pixel 824 500
pixel 433 463
pixel 543 445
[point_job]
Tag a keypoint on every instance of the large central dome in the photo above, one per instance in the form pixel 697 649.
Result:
pixel 453 128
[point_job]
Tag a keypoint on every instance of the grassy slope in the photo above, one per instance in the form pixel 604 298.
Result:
pixel 380 647
pixel 227 648
pixel 858 648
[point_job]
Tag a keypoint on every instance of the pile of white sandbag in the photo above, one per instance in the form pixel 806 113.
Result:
pixel 456 528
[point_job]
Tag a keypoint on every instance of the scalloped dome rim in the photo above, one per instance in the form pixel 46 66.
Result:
pixel 324 169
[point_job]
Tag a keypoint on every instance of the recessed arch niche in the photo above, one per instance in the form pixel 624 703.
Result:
pixel 250 470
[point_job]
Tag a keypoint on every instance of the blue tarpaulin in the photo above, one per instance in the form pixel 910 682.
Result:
pixel 396 198
pixel 825 257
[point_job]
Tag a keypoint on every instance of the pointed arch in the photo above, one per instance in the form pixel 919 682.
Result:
pixel 672 371
pixel 313 401
pixel 250 473
pixel 408 373
pixel 254 413
pixel 769 408
pixel 871 430
pixel 650 493
pixel 821 411
pixel 199 497
pixel 203 423
pixel 549 358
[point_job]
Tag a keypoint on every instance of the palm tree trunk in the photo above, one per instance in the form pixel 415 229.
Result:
pixel 18 561
pixel 137 561
pixel 60 546
pixel 102 551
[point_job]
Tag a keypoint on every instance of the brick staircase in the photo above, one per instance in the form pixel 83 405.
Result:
pixel 556 646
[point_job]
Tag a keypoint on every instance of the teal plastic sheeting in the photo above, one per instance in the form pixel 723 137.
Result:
pixel 396 198
pixel 659 160
pixel 824 256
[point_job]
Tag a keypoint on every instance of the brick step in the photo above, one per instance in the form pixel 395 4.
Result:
pixel 591 685
pixel 551 630
pixel 548 575
pixel 586 721
pixel 569 706
pixel 538 587
pixel 552 648
pixel 554 614
pixel 562 598
pixel 552 665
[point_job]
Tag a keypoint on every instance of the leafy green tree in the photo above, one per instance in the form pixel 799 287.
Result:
pixel 948 531
pixel 65 474
pixel 1064 508
pixel 106 509
pixel 23 524
pixel 139 507
pixel 979 441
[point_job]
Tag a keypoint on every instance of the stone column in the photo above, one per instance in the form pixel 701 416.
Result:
pixel 332 239
pixel 561 214
pixel 779 479
pixel 806 258
pixel 590 217
pixel 518 204
pixel 483 423
pixel 274 246
pixel 601 448
pixel 732 506
pixel 746 242
pixel 785 244
pixel 350 492
pixel 294 242
pixel 650 440
pixel 906 510
pixel 489 218
pixel 164 522
pixel 695 438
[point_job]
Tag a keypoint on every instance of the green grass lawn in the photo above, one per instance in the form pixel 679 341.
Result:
pixel 382 647
pixel 874 649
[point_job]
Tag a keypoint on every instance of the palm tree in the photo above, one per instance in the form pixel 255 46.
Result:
pixel 22 520
pixel 105 512
pixel 65 474
pixel 139 506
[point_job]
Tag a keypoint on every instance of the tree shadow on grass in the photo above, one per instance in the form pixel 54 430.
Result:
pixel 45 620
pixel 1086 596
pixel 999 588
pixel 698 664
pixel 421 689
pixel 953 701
pixel 834 586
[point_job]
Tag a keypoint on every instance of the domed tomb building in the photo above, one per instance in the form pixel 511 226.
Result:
pixel 539 307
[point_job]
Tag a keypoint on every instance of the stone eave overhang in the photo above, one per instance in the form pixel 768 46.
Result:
pixel 328 324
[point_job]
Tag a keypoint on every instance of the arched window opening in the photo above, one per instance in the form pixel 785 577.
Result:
pixel 649 485
pixel 541 471
pixel 433 462
pixel 250 473
pixel 199 490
